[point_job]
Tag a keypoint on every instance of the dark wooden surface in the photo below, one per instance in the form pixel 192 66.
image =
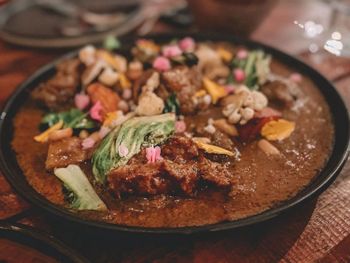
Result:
pixel 317 231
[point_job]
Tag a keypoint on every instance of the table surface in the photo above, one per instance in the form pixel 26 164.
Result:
pixel 319 230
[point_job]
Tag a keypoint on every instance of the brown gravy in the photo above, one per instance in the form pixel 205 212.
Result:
pixel 263 181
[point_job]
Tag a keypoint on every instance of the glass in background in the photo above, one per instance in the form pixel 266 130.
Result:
pixel 337 39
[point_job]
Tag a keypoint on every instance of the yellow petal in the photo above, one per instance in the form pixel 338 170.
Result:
pixel 209 148
pixel 124 81
pixel 148 44
pixel 224 54
pixel 200 93
pixel 108 57
pixel 277 130
pixel 110 117
pixel 43 137
pixel 216 91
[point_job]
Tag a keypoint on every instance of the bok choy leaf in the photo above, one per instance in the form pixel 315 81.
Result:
pixel 81 194
pixel 133 134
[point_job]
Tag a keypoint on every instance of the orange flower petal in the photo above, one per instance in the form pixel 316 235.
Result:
pixel 277 130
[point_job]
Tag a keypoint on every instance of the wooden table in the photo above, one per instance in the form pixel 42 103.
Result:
pixel 319 230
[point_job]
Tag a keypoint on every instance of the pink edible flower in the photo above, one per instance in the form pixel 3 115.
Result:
pixel 95 111
pixel 295 77
pixel 81 101
pixel 229 88
pixel 88 143
pixel 242 54
pixel 161 63
pixel 103 131
pixel 171 51
pixel 187 44
pixel 180 126
pixel 123 150
pixel 153 154
pixel 239 75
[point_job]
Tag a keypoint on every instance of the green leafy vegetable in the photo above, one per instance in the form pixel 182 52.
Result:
pixel 230 78
pixel 133 134
pixel 172 104
pixel 111 43
pixel 262 66
pixel 80 192
pixel 256 68
pixel 73 118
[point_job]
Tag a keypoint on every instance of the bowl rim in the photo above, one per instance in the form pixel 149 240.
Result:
pixel 326 176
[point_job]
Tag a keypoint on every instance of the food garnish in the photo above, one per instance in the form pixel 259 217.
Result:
pixel 81 194
pixel 74 118
pixel 117 62
pixel 96 111
pixel 239 75
pixel 81 101
pixel 111 43
pixel 123 150
pixel 242 54
pixel 224 54
pixel 267 147
pixel 103 131
pixel 254 64
pixel 161 63
pixel 43 137
pixel 171 51
pixel 180 126
pixel 135 133
pixel 153 154
pixel 88 143
pixel 60 134
pixel 108 99
pixel 241 106
pixel 187 44
pixel 124 82
pixel 216 91
pixel 87 55
pixel 252 129
pixel 225 127
pixel 149 104
pixel 209 148
pixel 296 77
pixel 172 104
pixel 277 129
pixel 108 77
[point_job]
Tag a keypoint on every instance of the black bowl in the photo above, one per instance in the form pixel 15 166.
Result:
pixel 328 174
pixel 40 241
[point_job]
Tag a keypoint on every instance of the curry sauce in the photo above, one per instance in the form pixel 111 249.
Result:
pixel 261 181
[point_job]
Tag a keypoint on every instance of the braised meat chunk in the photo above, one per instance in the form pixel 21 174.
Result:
pixel 281 93
pixel 180 171
pixel 184 81
pixel 58 92
pixel 180 149
pixel 215 173
pixel 139 178
pixel 64 152
pixel 163 177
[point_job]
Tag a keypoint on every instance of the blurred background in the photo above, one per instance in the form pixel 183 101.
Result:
pixel 292 25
